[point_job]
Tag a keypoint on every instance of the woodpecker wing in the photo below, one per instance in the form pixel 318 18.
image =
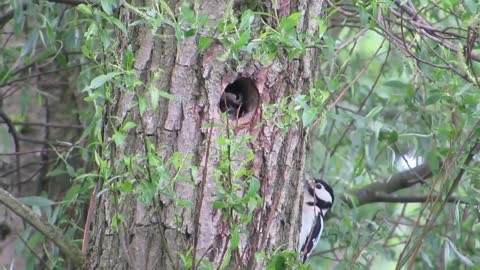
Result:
pixel 313 238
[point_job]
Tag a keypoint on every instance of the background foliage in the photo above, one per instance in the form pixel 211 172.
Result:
pixel 398 88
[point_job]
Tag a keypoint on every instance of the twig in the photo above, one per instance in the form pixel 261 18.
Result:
pixel 41 73
pixel 13 132
pixel 35 141
pixel 69 2
pixel 25 152
pixel 200 201
pixel 32 251
pixel 357 77
pixel 52 125
pixel 51 232
pixel 7 173
pixel 447 167
pixel 359 252
pixel 360 108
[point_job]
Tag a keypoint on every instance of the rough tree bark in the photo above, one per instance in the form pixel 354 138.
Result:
pixel 150 239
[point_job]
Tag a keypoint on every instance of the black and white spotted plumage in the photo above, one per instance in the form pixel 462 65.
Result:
pixel 316 202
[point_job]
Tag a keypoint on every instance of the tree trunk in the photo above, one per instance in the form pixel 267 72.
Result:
pixel 154 235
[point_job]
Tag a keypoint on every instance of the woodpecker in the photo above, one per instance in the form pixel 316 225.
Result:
pixel 232 103
pixel 317 201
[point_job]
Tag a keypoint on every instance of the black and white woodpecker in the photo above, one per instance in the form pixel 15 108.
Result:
pixel 317 200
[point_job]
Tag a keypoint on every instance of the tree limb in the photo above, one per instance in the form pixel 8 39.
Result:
pixel 51 232
pixel 390 198
pixel 395 182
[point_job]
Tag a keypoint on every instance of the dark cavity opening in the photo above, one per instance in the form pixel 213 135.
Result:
pixel 239 98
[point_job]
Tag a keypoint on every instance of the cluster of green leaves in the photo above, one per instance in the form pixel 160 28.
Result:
pixel 237 188
pixel 281 259
pixel 148 175
pixel 235 34
pixel 41 39
pixel 306 108
pixel 399 109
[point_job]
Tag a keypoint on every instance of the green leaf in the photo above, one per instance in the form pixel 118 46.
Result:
pixel 290 22
pixel 309 115
pixel 219 205
pixel 125 187
pixel 374 112
pixel 36 201
pixel 179 33
pixel 128 59
pixel 242 40
pixel 204 43
pixel 70 170
pixel 127 126
pixel 119 24
pixel 155 95
pixel 235 238
pixel 278 263
pixel 390 136
pixel 107 6
pixel 40 58
pixel 396 84
pixel 460 256
pixel 247 18
pixel 119 138
pixel 188 13
pixel 142 105
pixel 101 80
pixel 73 193
pixel 116 219
pixel 184 203
pixel 84 9
pixel 433 161
pixel 472 6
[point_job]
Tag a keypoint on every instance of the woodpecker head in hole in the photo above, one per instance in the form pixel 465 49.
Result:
pixel 232 100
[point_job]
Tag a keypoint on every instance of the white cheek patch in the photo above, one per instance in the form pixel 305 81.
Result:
pixel 323 194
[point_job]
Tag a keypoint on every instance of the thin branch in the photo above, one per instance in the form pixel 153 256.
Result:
pixel 35 141
pixel 7 173
pixel 360 108
pixel 52 125
pixel 389 198
pixel 427 29
pixel 13 132
pixel 25 152
pixel 32 251
pixel 434 214
pixel 198 209
pixel 51 232
pixel 357 77
pixel 41 74
pixel 69 2
pixel 364 246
